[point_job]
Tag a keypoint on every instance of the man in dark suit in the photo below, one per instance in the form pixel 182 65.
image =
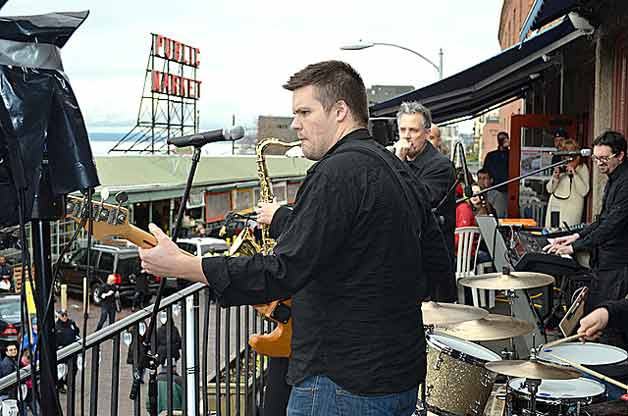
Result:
pixel 436 172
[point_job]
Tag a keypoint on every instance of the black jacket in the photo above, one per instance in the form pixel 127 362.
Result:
pixel 617 314
pixel 436 173
pixel 66 332
pixel 607 236
pixel 496 163
pixel 5 270
pixel 354 256
pixel 108 296
pixel 163 341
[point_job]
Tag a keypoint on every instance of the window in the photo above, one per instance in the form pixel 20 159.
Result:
pixel 190 248
pixel 218 204
pixel 620 87
pixel 80 257
pixel 279 191
pixel 292 190
pixel 128 266
pixel 106 262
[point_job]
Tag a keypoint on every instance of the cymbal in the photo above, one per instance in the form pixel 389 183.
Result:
pixel 503 281
pixel 531 369
pixel 449 313
pixel 489 328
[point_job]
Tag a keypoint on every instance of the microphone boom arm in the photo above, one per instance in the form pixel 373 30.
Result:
pixel 518 178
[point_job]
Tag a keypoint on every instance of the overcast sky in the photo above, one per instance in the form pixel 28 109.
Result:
pixel 249 48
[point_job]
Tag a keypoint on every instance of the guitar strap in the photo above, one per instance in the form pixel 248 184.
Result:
pixel 409 192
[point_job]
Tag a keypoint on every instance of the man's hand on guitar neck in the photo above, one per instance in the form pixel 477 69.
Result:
pixel 168 260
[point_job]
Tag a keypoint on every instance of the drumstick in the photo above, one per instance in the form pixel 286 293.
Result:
pixel 591 372
pixel 562 340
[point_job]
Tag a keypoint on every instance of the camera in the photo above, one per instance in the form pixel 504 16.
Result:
pixel 562 169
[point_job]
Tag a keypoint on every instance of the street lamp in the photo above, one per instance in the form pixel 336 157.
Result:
pixel 364 45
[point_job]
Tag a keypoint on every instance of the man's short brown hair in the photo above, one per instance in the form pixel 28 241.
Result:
pixel 334 81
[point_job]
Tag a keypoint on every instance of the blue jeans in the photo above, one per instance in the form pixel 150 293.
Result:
pixel 319 396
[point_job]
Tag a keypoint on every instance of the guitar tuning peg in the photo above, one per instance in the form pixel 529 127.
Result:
pixel 104 194
pixel 121 197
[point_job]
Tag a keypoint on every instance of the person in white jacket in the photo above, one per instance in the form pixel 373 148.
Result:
pixel 567 188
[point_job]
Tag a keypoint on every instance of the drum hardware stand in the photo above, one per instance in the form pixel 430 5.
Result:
pixel 511 295
pixel 532 384
pixel 421 408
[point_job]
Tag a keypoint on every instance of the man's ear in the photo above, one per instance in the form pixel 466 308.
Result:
pixel 341 110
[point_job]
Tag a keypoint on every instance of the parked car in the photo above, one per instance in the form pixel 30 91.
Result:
pixel 200 247
pixel 10 320
pixel 203 246
pixel 122 262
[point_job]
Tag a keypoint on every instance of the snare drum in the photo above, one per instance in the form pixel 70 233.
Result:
pixel 457 382
pixel 554 397
pixel 589 354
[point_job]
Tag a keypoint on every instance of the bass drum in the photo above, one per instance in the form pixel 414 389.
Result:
pixel 554 397
pixel 457 382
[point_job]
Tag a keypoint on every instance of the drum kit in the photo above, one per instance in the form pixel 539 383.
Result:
pixel 542 385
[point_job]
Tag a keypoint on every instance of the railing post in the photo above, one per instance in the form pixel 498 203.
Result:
pixel 115 375
pixel 217 359
pixel 190 356
pixel 93 395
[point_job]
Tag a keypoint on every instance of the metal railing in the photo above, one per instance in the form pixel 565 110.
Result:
pixel 220 374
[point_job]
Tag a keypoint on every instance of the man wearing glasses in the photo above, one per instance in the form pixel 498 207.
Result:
pixel 607 236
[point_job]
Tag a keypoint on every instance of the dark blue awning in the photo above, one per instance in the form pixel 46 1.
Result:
pixel 546 11
pixel 501 78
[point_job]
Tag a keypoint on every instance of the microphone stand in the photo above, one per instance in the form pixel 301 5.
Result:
pixel 518 178
pixel 462 176
pixel 459 179
pixel 148 358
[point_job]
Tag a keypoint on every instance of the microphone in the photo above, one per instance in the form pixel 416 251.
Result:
pixel 581 152
pixel 201 139
pixel 463 170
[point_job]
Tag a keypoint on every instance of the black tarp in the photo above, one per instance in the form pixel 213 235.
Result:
pixel 40 115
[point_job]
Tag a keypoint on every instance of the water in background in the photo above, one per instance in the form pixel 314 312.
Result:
pixel 102 142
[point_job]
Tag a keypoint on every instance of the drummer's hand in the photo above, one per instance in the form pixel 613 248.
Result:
pixel 402 148
pixel 591 326
pixel 266 210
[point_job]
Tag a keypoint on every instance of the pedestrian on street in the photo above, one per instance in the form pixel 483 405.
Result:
pixel 108 303
pixel 141 291
pixel 67 331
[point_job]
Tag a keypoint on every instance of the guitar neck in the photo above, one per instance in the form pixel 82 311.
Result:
pixel 144 239
pixel 139 237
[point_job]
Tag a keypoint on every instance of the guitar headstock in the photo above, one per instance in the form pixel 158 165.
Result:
pixel 108 220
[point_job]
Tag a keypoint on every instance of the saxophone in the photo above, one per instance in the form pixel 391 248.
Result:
pixel 276 343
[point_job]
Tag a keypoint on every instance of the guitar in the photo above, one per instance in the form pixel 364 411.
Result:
pixel 108 221
pixel 277 342
pixel 113 221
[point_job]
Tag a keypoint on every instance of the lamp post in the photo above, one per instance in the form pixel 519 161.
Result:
pixel 364 45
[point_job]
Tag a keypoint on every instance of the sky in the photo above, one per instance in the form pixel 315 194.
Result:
pixel 249 48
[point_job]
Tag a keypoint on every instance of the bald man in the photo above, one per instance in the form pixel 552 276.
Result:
pixel 437 141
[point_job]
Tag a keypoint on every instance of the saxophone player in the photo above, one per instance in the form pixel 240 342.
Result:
pixel 350 256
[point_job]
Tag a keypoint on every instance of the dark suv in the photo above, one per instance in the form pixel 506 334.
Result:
pixel 122 262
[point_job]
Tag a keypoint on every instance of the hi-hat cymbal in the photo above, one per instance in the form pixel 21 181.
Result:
pixel 506 281
pixel 531 369
pixel 489 328
pixel 449 313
